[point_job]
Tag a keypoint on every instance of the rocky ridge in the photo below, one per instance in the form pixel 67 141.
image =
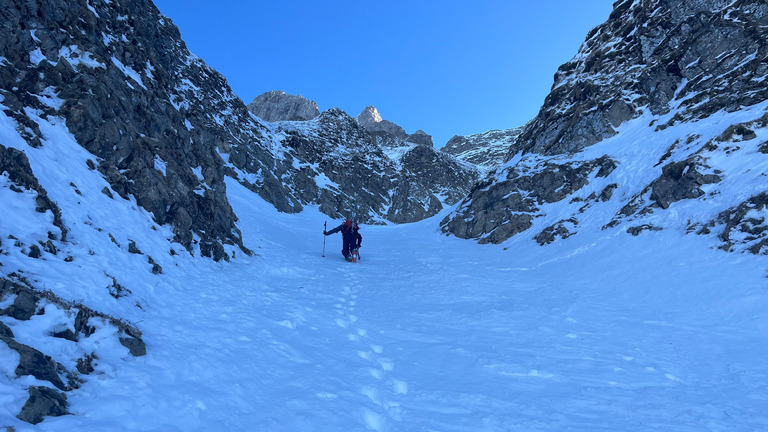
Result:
pixel 275 106
pixel 654 56
pixel 487 150
pixel 673 94
pixel 346 169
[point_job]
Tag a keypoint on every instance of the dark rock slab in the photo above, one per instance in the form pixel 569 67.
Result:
pixel 679 181
pixel 23 307
pixel 33 362
pixel 135 345
pixel 43 402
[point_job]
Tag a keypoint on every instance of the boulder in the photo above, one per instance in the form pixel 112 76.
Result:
pixel 43 402
pixel 275 106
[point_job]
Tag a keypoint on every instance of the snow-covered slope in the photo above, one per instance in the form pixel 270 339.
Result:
pixel 427 332
pixel 124 160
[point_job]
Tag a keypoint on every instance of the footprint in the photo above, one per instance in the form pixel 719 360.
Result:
pixel 400 387
pixel 372 394
pixel 362 332
pixel 376 373
pixel 378 349
pixel 372 420
pixel 672 377
pixel 341 323
pixel 364 355
pixel 353 337
pixel 386 364
pixel 352 318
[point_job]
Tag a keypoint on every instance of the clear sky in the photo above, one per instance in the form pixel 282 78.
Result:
pixel 447 67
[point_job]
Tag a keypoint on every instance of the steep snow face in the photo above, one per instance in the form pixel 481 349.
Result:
pixel 427 332
pixel 654 55
pixel 487 150
pixel 682 123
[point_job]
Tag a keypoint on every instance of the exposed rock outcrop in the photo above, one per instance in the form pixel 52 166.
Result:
pixel 420 138
pixel 496 210
pixel 276 105
pixel 695 57
pixel 745 227
pixel 371 121
pixel 27 303
pixel 43 402
pixel 134 97
pixel 16 165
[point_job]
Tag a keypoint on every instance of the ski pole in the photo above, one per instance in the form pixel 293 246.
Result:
pixel 325 228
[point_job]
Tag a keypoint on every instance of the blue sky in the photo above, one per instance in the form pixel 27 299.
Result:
pixel 447 67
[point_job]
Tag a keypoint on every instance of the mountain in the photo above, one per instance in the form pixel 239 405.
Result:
pixel 659 122
pixel 487 150
pixel 160 245
pixel 278 106
pixel 116 149
pixel 366 167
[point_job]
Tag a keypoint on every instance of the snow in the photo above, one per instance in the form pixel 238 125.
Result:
pixel 49 98
pixel 323 182
pixel 160 164
pixel 76 57
pixel 601 331
pixel 37 56
pixel 128 72
pixel 107 39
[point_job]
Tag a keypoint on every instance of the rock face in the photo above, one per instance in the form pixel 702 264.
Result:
pixel 370 120
pixel 702 55
pixel 135 98
pixel 680 78
pixel 496 210
pixel 275 106
pixel 344 168
pixel 421 138
pixel 487 150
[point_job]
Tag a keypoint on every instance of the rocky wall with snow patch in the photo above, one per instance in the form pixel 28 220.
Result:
pixel 674 93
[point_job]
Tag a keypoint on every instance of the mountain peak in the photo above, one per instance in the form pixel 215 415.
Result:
pixel 371 120
pixel 369 116
pixel 277 105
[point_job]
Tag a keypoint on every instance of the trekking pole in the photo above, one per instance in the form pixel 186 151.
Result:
pixel 325 228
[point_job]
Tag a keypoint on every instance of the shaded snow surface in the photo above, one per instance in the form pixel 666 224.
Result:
pixel 429 333
pixel 601 331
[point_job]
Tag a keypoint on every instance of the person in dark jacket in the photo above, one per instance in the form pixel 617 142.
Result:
pixel 351 237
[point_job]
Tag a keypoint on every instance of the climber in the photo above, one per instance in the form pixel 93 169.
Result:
pixel 351 237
